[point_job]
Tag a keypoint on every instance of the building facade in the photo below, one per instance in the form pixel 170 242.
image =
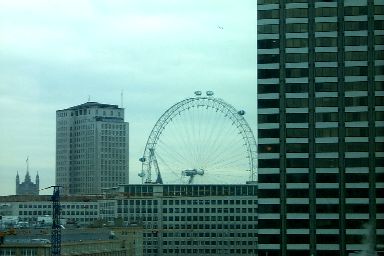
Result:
pixel 27 187
pixel 91 148
pixel 320 126
pixel 176 219
pixel 191 219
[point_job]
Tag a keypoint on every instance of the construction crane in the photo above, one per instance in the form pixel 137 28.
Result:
pixel 56 227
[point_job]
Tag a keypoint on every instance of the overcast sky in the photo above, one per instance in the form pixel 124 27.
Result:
pixel 57 54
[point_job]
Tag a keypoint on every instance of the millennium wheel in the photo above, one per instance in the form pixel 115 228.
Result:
pixel 200 140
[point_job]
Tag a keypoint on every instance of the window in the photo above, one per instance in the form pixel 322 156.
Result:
pixel 327 117
pixel 268 133
pixel 297 148
pixel 356 162
pixel 268 118
pixel 296 57
pixel 297 163
pixel 269 163
pixel 296 88
pixel 355 25
pixel 325 72
pixel 326 87
pixel 268 14
pixel 379 9
pixel 268 29
pixel 267 88
pixel 297 118
pixel 269 148
pixel 296 72
pixel 356 101
pixel 356 40
pixel 356 86
pixel 326 56
pixel 379 39
pixel 356 71
pixel 326 42
pixel 268 44
pixel 268 103
pixel 326 147
pixel 327 102
pixel 297 13
pixel 268 58
pixel 356 132
pixel 326 162
pixel 297 103
pixel 355 10
pixel 356 116
pixel 356 146
pixel 296 27
pixel 379 24
pixel 326 12
pixel 297 133
pixel 325 26
pixel 268 73
pixel 355 56
pixel 297 42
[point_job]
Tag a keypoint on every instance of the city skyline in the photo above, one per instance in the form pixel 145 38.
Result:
pixel 53 56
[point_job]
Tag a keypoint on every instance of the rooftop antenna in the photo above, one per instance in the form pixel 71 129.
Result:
pixel 122 99
pixel 27 161
pixel 89 98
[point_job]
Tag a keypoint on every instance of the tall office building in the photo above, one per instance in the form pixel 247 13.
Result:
pixel 321 126
pixel 91 148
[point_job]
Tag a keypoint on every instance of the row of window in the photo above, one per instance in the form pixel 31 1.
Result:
pixel 319 42
pixel 319 12
pixel 323 193
pixel 209 210
pixel 207 251
pixel 320 147
pixel 319 102
pixel 319 178
pixel 320 117
pixel 320 208
pixel 319 27
pixel 209 218
pixel 304 239
pixel 319 87
pixel 319 72
pixel 321 162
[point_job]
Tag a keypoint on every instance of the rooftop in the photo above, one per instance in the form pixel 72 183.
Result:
pixel 91 104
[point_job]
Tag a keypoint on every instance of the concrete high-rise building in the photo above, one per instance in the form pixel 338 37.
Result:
pixel 320 126
pixel 91 148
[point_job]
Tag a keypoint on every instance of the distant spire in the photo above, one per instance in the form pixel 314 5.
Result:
pixel 27 161
pixel 17 178
pixel 27 177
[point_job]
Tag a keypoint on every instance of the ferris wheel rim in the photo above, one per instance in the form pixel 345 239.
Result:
pixel 237 117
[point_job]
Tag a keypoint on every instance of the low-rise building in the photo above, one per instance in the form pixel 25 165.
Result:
pixel 176 219
pixel 113 241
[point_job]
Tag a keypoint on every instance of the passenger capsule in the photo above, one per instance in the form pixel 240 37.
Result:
pixel 241 112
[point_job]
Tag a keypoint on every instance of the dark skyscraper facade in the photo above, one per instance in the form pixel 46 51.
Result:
pixel 320 126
